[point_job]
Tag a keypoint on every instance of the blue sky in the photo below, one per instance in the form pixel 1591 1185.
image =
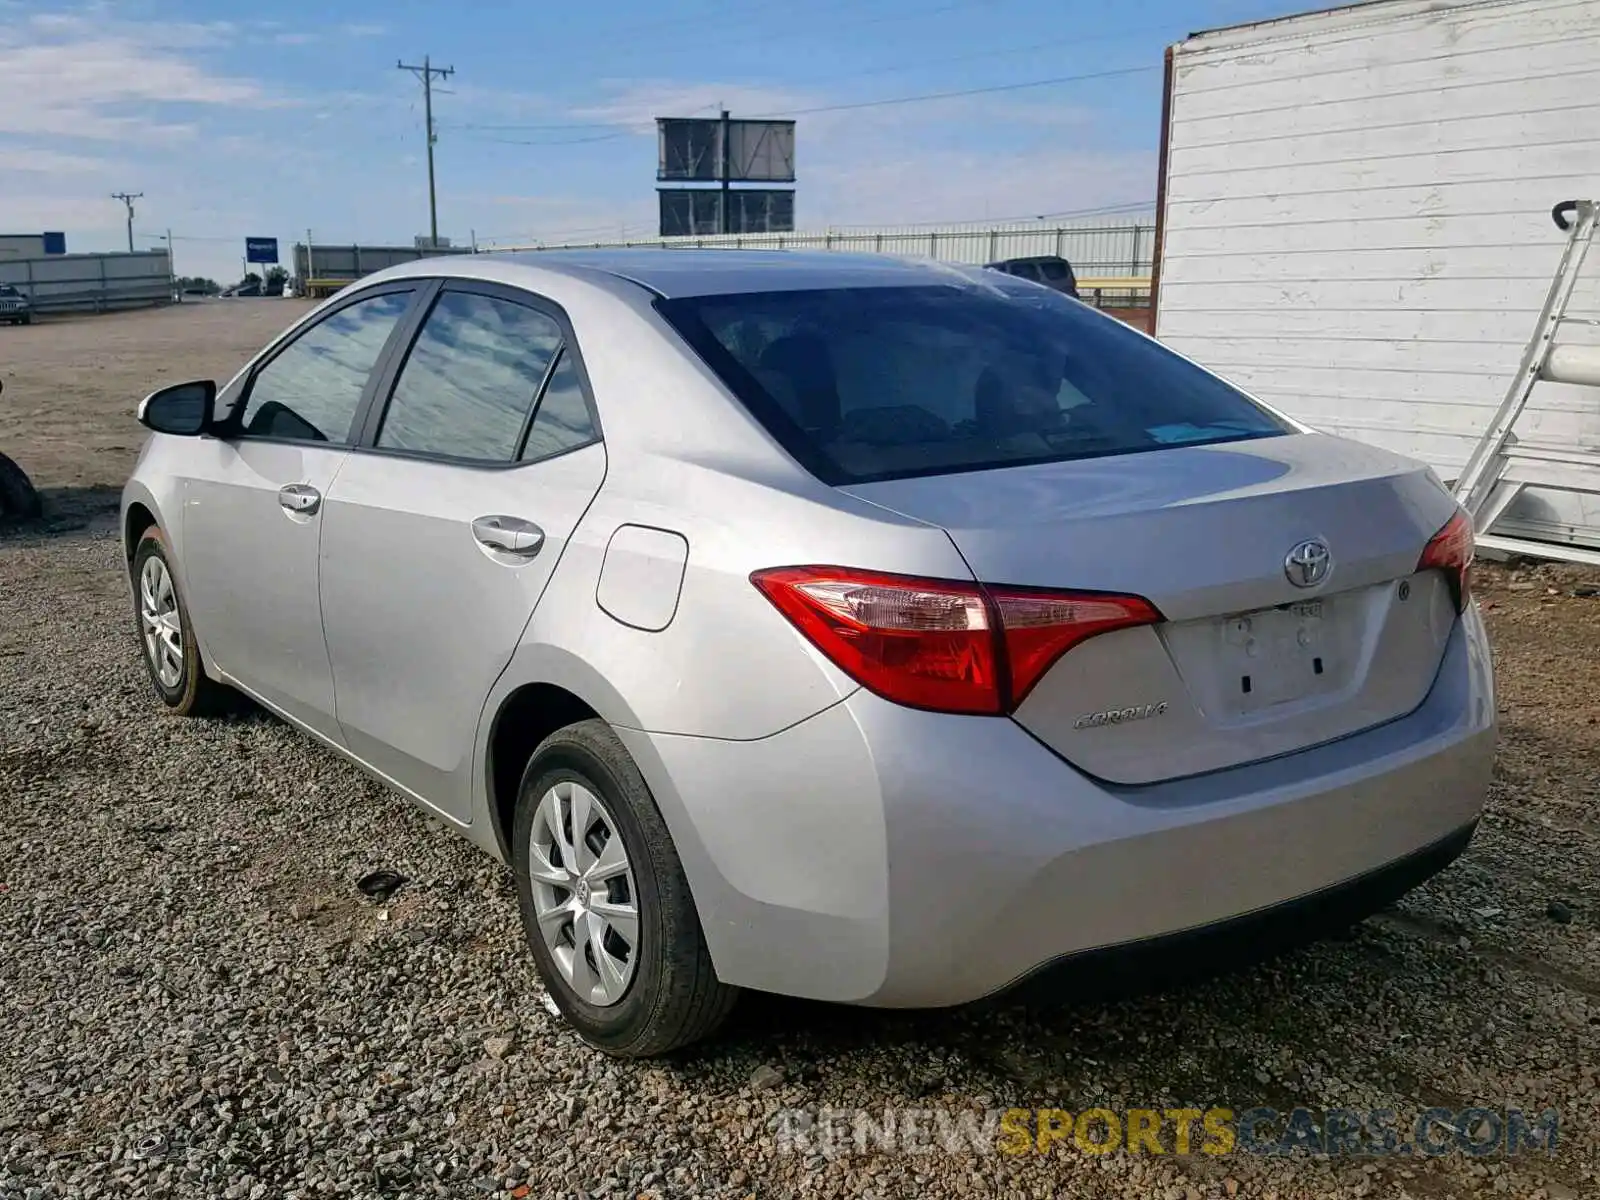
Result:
pixel 277 116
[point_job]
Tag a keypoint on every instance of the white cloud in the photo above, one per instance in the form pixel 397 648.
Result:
pixel 106 79
pixel 34 160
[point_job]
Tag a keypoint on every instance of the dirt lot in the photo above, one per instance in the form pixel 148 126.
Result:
pixel 198 1002
pixel 72 384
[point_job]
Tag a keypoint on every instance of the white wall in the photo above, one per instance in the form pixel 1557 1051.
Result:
pixel 1357 216
pixel 21 245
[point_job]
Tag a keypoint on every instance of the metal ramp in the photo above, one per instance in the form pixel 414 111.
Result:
pixel 1502 465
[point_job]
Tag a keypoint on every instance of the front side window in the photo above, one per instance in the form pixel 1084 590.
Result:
pixel 881 383
pixel 471 379
pixel 310 391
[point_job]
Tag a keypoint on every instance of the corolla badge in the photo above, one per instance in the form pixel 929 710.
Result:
pixel 1120 716
pixel 1308 563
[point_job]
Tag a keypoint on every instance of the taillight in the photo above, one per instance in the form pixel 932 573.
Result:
pixel 1451 550
pixel 1039 627
pixel 942 644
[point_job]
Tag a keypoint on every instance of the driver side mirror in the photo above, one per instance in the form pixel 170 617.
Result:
pixel 184 409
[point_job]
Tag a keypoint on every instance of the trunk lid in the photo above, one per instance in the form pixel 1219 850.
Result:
pixel 1246 665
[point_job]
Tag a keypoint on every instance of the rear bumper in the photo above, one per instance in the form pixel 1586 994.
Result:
pixel 878 855
pixel 1238 941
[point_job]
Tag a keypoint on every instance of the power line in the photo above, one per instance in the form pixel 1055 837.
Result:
pixel 128 198
pixel 426 73
pixel 893 101
pixel 978 91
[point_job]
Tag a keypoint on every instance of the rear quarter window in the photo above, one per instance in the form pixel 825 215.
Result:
pixel 860 384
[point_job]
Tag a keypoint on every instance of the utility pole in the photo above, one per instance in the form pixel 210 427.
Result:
pixel 128 198
pixel 426 72
pixel 726 172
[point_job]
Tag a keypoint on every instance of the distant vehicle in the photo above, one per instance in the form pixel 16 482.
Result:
pixel 252 288
pixel 1049 269
pixel 15 307
pixel 833 625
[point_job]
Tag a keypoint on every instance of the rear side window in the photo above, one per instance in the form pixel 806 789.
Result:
pixel 470 381
pixel 860 384
pixel 1055 272
pixel 562 421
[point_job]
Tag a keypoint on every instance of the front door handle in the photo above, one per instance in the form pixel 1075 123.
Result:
pixel 300 498
pixel 509 535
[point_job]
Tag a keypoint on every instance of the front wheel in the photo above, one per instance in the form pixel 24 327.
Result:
pixel 166 637
pixel 605 902
pixel 19 500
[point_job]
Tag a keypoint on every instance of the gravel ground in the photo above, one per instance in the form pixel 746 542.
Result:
pixel 200 1002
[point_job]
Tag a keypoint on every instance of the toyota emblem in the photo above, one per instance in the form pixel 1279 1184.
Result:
pixel 1308 563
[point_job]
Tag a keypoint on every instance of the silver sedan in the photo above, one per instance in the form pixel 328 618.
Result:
pixel 844 627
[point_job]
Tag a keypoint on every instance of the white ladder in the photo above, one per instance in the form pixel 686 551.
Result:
pixel 1501 465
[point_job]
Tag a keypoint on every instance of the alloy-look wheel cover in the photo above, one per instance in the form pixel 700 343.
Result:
pixel 160 623
pixel 584 897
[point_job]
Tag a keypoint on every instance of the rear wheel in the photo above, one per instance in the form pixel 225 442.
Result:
pixel 605 902
pixel 166 637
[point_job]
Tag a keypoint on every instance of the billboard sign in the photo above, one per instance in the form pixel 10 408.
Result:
pixel 261 250
pixel 691 151
pixel 55 243
pixel 697 212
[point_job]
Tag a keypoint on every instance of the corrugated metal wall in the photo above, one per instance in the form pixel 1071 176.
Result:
pixel 1102 246
pixel 1358 219
pixel 335 261
pixel 91 282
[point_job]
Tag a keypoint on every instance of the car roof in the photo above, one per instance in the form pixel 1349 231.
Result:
pixel 676 273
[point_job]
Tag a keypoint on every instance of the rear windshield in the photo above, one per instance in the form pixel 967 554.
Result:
pixel 861 384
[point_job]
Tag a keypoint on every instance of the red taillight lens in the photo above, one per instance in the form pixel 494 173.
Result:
pixel 920 642
pixel 1451 550
pixel 940 644
pixel 1040 627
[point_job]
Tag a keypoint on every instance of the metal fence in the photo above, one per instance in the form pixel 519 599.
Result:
pixel 91 282
pixel 1119 248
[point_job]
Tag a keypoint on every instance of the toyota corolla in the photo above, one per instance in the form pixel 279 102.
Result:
pixel 844 627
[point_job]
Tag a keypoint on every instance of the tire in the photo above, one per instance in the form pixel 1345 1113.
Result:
pixel 672 996
pixel 186 691
pixel 19 501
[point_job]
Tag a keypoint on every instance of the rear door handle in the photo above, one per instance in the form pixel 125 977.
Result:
pixel 509 535
pixel 300 498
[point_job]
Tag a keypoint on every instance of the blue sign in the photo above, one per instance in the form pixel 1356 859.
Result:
pixel 261 250
pixel 55 243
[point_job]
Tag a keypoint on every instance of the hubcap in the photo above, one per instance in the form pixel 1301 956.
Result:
pixel 158 618
pixel 583 893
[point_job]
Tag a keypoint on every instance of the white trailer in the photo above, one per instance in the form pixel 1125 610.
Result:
pixel 1354 221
